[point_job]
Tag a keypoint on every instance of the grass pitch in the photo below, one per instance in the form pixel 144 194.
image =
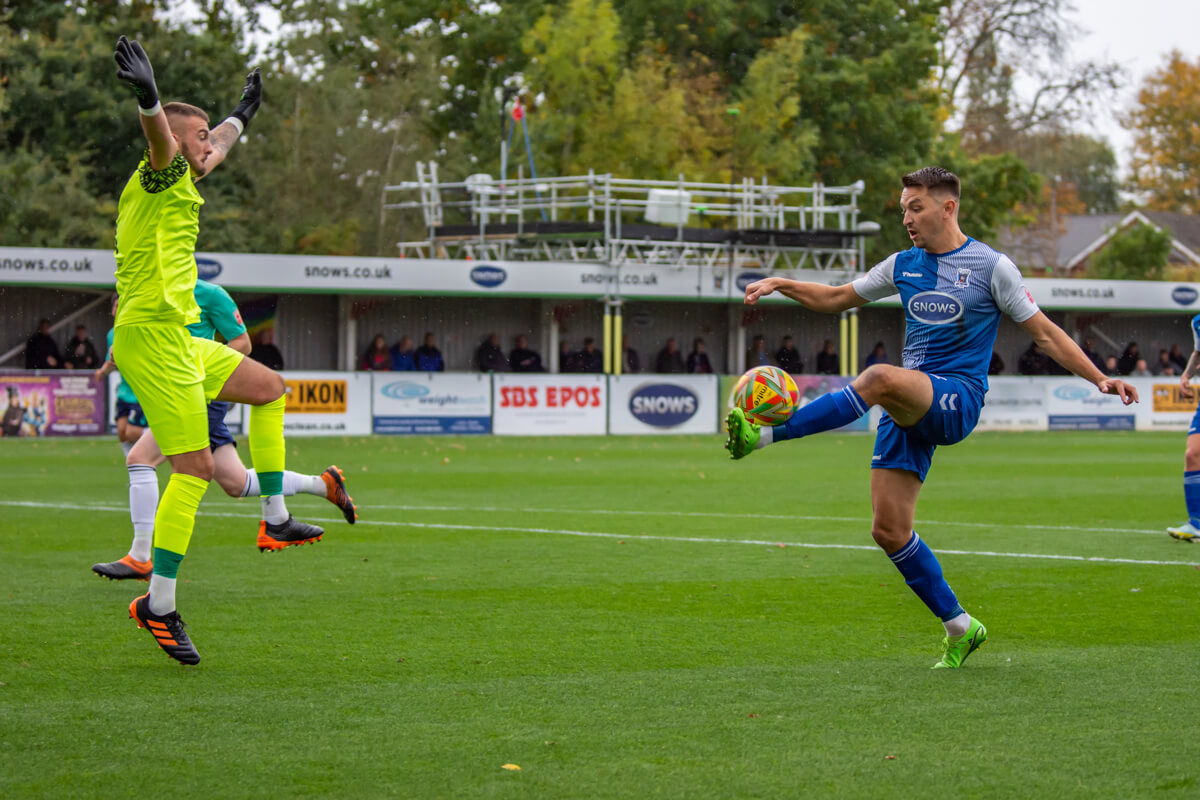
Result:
pixel 620 617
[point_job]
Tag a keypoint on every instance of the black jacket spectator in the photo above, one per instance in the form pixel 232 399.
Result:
pixel 669 359
pixel 633 363
pixel 522 359
pixel 697 360
pixel 590 359
pixel 1033 361
pixel 568 359
pixel 827 360
pixel 997 365
pixel 40 351
pixel 1089 350
pixel 757 355
pixel 489 357
pixel 265 352
pixel 1128 359
pixel 429 358
pixel 79 352
pixel 1178 358
pixel 788 357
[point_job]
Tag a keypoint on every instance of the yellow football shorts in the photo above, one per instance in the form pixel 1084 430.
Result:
pixel 174 376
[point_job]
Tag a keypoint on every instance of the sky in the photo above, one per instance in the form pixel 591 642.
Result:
pixel 1138 34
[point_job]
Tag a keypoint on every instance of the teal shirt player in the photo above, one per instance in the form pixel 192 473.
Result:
pixel 124 393
pixel 218 314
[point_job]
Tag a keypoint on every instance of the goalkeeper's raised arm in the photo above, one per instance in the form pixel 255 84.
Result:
pixel 225 135
pixel 133 67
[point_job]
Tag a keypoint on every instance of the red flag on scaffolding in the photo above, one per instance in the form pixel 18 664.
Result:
pixel 518 112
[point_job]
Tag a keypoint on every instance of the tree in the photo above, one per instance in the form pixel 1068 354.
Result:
pixel 987 41
pixel 1139 252
pixel 1165 122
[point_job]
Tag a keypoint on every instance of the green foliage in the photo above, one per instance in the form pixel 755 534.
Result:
pixel 1138 252
pixel 992 186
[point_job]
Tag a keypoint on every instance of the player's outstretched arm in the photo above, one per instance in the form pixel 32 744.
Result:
pixel 815 296
pixel 225 135
pixel 1055 343
pixel 133 67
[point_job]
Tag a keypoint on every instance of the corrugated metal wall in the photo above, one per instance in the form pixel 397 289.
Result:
pixel 21 307
pixel 306 326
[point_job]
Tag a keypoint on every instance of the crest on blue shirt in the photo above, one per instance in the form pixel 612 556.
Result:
pixel 963 275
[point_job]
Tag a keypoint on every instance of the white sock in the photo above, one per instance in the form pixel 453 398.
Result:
pixel 162 594
pixel 293 484
pixel 957 626
pixel 274 510
pixel 766 436
pixel 143 503
pixel 126 447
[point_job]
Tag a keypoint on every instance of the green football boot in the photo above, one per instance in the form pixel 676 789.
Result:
pixel 743 434
pixel 955 652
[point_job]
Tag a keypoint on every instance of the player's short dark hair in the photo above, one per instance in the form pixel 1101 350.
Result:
pixel 935 179
pixel 185 110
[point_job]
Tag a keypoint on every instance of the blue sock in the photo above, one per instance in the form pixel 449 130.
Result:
pixel 923 574
pixel 827 412
pixel 1191 496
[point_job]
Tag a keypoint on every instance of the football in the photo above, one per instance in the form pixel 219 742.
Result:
pixel 767 395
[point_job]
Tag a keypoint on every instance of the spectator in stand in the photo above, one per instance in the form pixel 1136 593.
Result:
pixel 633 364
pixel 1128 360
pixel 590 358
pixel 522 359
pixel 429 358
pixel 404 358
pixel 997 365
pixel 757 355
pixel 40 351
pixel 788 357
pixel 79 352
pixel 1178 359
pixel 1089 350
pixel 1165 365
pixel 568 359
pixel 265 352
pixel 1141 369
pixel 489 357
pixel 827 360
pixel 377 358
pixel 878 355
pixel 1032 361
pixel 669 360
pixel 1110 365
pixel 697 360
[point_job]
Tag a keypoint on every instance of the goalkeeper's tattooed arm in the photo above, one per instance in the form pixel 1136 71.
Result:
pixel 225 135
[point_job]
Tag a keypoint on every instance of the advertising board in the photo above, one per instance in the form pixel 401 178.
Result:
pixel 430 403
pixel 658 404
pixel 550 405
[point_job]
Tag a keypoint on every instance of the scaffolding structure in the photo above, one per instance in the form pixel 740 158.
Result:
pixel 604 219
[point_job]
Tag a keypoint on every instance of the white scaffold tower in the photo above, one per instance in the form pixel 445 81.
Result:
pixel 608 220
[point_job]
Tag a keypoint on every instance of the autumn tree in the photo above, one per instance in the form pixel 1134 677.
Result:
pixel 1165 122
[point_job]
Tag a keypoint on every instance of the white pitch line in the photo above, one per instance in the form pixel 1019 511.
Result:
pixel 642 536
pixel 748 516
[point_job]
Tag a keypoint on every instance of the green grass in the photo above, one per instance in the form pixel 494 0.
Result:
pixel 408 657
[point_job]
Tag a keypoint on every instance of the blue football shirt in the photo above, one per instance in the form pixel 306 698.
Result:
pixel 952 305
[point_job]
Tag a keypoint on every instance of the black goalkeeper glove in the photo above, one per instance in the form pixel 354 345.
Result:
pixel 247 107
pixel 133 67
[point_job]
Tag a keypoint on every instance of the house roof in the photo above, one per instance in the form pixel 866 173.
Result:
pixel 1080 235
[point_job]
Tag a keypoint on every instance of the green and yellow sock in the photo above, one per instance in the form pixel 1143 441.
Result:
pixel 268 452
pixel 173 525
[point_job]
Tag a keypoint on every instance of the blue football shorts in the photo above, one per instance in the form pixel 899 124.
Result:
pixel 218 434
pixel 131 411
pixel 1195 426
pixel 953 415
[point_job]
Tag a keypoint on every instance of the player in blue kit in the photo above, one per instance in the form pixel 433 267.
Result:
pixel 218 314
pixel 953 289
pixel 1190 530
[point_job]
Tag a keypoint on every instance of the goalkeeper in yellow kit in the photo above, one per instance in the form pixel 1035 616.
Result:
pixel 173 373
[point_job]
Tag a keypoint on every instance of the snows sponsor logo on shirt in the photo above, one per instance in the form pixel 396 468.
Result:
pixel 935 308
